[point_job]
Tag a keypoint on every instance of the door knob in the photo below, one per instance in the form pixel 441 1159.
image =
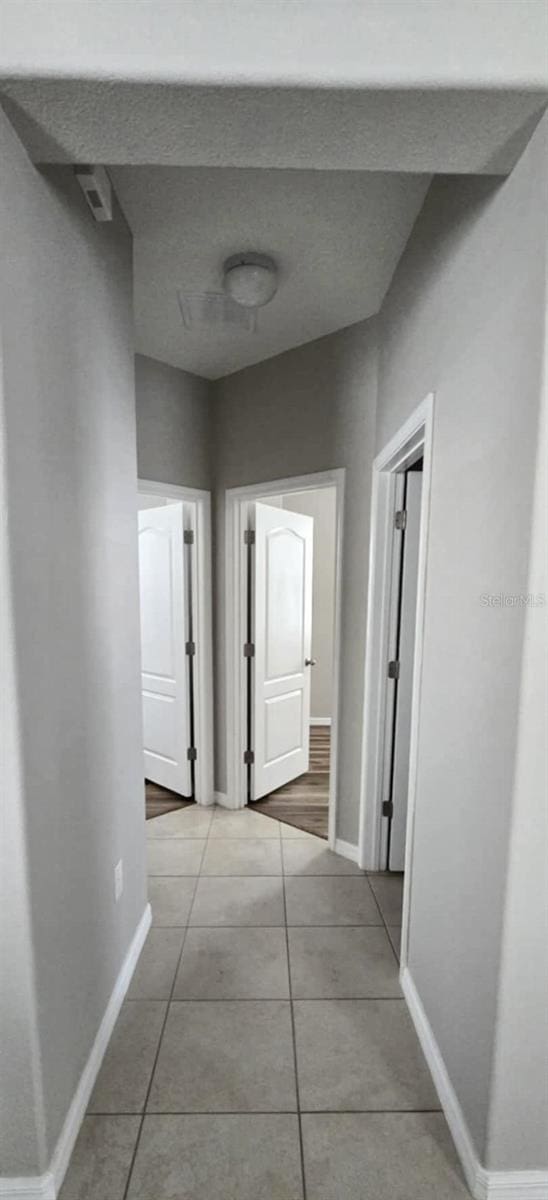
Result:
pixel 310 662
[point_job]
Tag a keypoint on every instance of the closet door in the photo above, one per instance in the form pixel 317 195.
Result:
pixel 282 631
pixel 164 664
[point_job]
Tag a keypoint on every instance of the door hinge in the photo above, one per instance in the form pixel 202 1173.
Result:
pixel 190 648
pixel 387 808
pixel 249 757
pixel 188 537
pixel 400 519
pixel 249 650
pixel 192 754
pixel 249 537
pixel 394 669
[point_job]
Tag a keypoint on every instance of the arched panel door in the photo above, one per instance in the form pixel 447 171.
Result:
pixel 282 623
pixel 163 637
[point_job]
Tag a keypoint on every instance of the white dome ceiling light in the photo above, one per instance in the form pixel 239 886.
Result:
pixel 250 279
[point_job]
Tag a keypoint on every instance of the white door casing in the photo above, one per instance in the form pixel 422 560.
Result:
pixel 402 726
pixel 163 604
pixel 282 632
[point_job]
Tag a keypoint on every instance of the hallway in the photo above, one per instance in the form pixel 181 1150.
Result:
pixel 263 1051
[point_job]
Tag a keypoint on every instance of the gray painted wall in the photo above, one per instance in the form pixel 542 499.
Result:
pixel 21 1093
pixel 68 426
pixel 464 318
pixel 520 1075
pixel 308 410
pixel 173 425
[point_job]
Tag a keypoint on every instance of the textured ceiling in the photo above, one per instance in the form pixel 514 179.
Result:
pixel 431 130
pixel 347 43
pixel 336 236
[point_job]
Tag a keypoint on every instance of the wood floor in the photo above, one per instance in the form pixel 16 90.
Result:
pixel 159 800
pixel 305 802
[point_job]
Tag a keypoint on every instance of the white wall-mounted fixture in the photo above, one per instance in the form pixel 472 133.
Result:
pixel 97 189
pixel 250 279
pixel 118 879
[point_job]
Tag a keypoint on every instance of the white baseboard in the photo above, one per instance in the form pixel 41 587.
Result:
pixel 320 720
pixel 512 1185
pixel 225 801
pixel 29 1187
pixel 48 1185
pixel 346 849
pixel 483 1184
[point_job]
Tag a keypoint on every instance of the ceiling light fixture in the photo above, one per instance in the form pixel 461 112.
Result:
pixel 250 279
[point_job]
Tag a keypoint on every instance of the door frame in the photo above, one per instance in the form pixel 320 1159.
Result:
pixel 236 502
pixel 414 438
pixel 203 661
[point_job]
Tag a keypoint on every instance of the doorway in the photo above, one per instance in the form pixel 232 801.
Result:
pixel 283 617
pixel 395 620
pixel 176 645
pixel 403 604
pixel 299 795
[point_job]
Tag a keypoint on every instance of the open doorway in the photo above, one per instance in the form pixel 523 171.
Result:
pixel 175 612
pixel 302 799
pixel 283 603
pixel 398 555
pixel 403 604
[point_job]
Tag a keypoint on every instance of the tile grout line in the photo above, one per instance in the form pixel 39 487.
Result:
pixel 264 874
pixel 293 1034
pixel 160 1039
pixel 385 925
pixel 270 1112
pixel 339 925
pixel 259 999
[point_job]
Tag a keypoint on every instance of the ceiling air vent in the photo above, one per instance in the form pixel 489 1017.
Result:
pixel 250 280
pixel 215 310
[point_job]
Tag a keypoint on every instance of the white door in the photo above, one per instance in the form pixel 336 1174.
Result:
pixel 164 619
pixel 402 728
pixel 282 632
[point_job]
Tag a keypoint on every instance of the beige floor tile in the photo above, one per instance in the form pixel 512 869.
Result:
pixel 243 824
pixel 233 964
pixel 380 1156
pixel 342 962
pixel 242 856
pixel 360 1054
pixel 304 856
pixel 394 933
pixel 330 900
pixel 291 832
pixel 175 856
pixel 206 1157
pixel 122 1083
pixel 171 898
pixel 251 901
pixel 191 822
pixel 155 971
pixel 225 1056
pixel 388 890
pixel 101 1159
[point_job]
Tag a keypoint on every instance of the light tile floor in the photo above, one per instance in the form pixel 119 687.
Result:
pixel 264 1051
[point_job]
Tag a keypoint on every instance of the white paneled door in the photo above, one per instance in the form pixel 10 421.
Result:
pixel 164 619
pixel 282 632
